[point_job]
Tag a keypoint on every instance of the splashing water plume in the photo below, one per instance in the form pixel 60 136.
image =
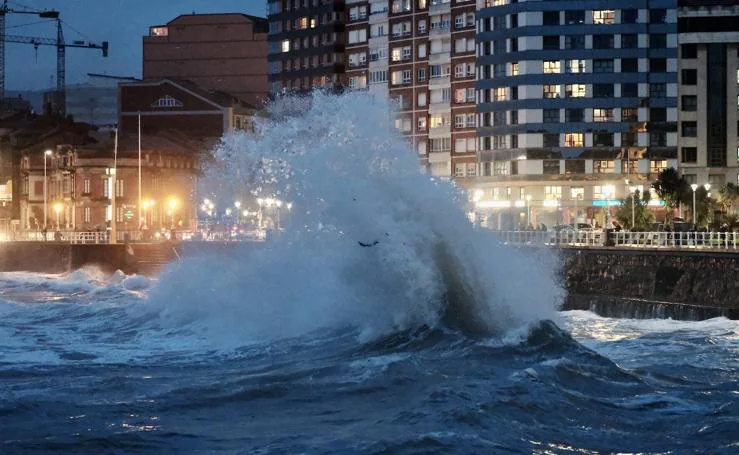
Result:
pixel 351 179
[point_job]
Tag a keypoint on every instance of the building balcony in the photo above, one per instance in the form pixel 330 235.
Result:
pixel 440 156
pixel 443 81
pixel 440 8
pixel 438 58
pixel 441 30
pixel 378 17
pixel 405 34
pixel 440 131
pixel 440 107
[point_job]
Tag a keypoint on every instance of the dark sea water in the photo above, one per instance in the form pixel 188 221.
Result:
pixel 84 368
pixel 434 340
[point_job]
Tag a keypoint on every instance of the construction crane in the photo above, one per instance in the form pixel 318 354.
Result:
pixel 59 42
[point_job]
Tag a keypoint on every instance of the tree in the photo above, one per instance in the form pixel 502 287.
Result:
pixel 671 188
pixel 642 216
pixel 728 197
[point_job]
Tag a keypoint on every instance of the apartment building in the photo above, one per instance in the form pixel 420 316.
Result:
pixel 577 107
pixel 221 52
pixel 420 53
pixel 307 42
pixel 709 91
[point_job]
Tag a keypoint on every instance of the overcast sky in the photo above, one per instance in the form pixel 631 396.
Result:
pixel 120 22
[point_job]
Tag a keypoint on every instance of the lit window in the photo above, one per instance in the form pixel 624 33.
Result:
pixel 577 193
pixel 159 31
pixel 515 69
pixel 603 167
pixel 575 66
pixel 286 45
pixel 602 115
pixel 657 166
pixel 604 17
pixel 551 91
pixel 574 140
pixel 576 91
pixel 552 192
pixel 500 94
pixel 551 67
pixel 603 192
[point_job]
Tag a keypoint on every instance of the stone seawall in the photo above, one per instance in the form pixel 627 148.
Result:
pixel 608 281
pixel 652 283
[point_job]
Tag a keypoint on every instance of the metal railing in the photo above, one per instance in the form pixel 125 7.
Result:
pixel 622 239
pixel 102 237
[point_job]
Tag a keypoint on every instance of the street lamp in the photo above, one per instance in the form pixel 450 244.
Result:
pixel 46 196
pixel 633 204
pixel 528 209
pixel 58 209
pixel 694 187
pixel 172 206
pixel 237 204
pixel 260 203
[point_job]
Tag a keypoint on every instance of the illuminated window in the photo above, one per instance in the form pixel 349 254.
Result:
pixel 575 66
pixel 603 192
pixel 500 94
pixel 603 167
pixel 604 16
pixel 551 67
pixel 551 91
pixel 286 45
pixel 577 193
pixel 552 192
pixel 515 69
pixel 159 31
pixel 602 115
pixel 657 166
pixel 576 90
pixel 574 140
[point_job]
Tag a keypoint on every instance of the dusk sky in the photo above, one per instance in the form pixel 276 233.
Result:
pixel 121 22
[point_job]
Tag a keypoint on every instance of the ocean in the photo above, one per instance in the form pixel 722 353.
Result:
pixel 376 319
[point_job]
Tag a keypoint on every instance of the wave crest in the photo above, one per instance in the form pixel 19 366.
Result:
pixel 352 180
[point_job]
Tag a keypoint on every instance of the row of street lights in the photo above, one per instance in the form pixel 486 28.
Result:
pixel 209 208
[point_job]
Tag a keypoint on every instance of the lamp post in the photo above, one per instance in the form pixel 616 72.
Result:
pixel 237 204
pixel 58 209
pixel 633 206
pixel 694 187
pixel 170 212
pixel 278 203
pixel 528 209
pixel 260 202
pixel 46 194
pixel 113 217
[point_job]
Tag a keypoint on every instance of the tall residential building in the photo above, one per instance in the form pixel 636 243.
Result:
pixel 306 44
pixel 418 52
pixel 709 90
pixel 222 52
pixel 575 98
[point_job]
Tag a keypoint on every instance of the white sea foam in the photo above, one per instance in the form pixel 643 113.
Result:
pixel 351 178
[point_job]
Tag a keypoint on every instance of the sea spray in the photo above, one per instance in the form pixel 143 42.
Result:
pixel 352 181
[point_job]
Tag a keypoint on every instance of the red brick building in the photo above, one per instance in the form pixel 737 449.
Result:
pixel 224 52
pixel 179 105
pixel 79 184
